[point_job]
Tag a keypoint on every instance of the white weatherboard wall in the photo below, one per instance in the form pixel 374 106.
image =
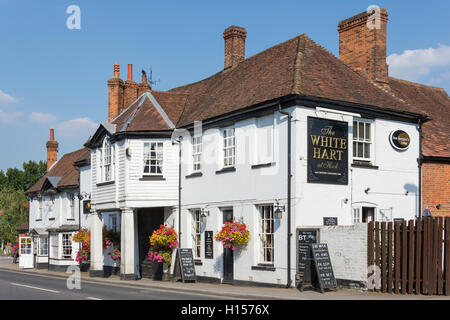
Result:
pixel 392 174
pixel 347 246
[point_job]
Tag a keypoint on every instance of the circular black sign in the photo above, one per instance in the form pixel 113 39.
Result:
pixel 399 139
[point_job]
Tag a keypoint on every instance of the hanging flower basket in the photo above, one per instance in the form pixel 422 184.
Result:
pixel 234 235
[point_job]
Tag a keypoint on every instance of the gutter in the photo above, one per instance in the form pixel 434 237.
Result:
pixel 289 178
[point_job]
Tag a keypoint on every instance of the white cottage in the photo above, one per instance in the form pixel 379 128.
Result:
pixel 56 211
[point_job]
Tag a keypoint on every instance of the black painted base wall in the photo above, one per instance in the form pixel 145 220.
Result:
pixel 42 266
pixel 109 271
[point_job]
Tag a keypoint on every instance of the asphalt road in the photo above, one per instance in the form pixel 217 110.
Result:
pixel 21 286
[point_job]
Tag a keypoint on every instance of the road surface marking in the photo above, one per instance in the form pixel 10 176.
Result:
pixel 37 288
pixel 92 298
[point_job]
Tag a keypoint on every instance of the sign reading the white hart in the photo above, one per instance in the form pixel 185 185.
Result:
pixel 327 151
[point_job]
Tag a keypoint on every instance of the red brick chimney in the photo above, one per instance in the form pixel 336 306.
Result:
pixel 131 88
pixel 234 45
pixel 143 86
pixel 52 150
pixel 362 44
pixel 115 94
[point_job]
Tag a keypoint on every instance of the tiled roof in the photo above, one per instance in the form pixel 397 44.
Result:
pixel 147 115
pixel 64 169
pixel 297 66
pixel 436 104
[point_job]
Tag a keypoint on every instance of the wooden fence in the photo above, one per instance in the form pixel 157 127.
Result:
pixel 413 256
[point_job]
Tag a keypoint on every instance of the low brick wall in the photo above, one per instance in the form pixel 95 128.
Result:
pixel 348 252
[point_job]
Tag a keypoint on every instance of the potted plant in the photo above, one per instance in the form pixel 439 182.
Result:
pixel 162 243
pixel 233 235
pixel 83 237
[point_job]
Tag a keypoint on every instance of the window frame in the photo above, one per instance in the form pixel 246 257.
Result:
pixel 39 210
pixel 263 247
pixel 159 163
pixel 229 147
pixel 197 149
pixel 41 251
pixel 362 140
pixel 66 244
pixel 71 215
pixel 107 161
pixel 196 225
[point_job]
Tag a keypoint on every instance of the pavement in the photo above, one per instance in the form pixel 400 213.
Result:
pixel 219 291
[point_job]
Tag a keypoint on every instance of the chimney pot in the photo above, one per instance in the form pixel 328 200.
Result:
pixel 116 70
pixel 130 72
pixel 52 134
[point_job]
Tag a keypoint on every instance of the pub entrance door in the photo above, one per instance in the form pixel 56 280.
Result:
pixel 228 258
pixel 149 219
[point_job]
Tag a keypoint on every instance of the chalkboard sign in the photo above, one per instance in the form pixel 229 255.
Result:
pixel 330 221
pixel 324 269
pixel 305 237
pixel 184 265
pixel 209 248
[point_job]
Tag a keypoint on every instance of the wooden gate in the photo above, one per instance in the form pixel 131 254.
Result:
pixel 413 256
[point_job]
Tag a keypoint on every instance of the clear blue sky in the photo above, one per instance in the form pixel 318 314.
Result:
pixel 51 76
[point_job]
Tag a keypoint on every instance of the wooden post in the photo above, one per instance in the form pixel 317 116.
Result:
pixel 370 243
pixel 447 256
pixel 397 258
pixel 390 242
pixel 418 255
pixel 425 254
pixel 440 280
pixel 411 256
pixel 383 257
pixel 377 244
pixel 435 241
pixel 404 256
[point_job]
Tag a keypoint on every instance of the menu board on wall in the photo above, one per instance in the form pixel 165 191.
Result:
pixel 209 245
pixel 327 151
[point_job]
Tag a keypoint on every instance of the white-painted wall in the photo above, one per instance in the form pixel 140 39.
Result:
pixel 246 188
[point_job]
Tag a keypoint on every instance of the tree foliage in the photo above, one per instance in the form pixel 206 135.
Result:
pixel 13 200
pixel 15 212
pixel 23 179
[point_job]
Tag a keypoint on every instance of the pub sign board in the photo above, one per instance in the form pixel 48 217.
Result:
pixel 327 151
pixel 330 221
pixel 209 245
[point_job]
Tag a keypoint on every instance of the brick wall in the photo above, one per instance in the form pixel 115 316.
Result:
pixel 348 252
pixel 436 188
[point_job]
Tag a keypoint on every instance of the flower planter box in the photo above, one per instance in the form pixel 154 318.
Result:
pixel 84 267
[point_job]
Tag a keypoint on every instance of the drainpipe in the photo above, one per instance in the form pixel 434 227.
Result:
pixel 179 192
pixel 420 160
pixel 179 189
pixel 289 178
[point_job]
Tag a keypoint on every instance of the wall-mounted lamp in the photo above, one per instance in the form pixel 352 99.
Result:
pixel 367 190
pixel 438 206
pixel 84 195
pixel 345 200
pixel 278 213
pixel 203 215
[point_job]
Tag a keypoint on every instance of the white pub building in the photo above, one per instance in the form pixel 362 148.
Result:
pixel 291 137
